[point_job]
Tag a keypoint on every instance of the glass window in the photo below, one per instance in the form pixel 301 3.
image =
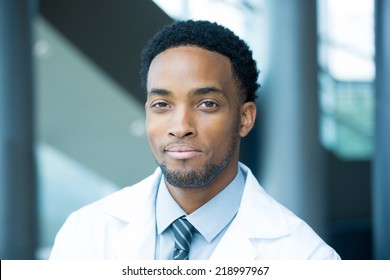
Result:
pixel 346 76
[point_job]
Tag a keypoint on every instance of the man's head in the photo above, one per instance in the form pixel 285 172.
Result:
pixel 209 36
pixel 196 112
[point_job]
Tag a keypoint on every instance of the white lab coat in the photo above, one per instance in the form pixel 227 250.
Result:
pixel 122 226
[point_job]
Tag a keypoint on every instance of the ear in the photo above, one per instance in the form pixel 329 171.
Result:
pixel 248 117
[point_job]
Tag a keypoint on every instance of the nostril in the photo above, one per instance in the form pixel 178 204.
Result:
pixel 181 135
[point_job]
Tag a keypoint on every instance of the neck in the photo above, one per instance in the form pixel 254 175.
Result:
pixel 190 199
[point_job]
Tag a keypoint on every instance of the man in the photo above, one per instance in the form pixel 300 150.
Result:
pixel 201 203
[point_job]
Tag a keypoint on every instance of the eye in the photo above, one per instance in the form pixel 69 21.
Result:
pixel 209 104
pixel 159 104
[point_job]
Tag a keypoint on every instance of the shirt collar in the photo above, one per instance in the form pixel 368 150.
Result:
pixel 211 218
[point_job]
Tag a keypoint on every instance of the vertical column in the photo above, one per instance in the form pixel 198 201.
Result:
pixel 18 221
pixel 381 190
pixel 292 169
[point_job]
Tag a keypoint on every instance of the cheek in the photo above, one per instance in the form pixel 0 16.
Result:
pixel 153 131
pixel 153 124
pixel 221 135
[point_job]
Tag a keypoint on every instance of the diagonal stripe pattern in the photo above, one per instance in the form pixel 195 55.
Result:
pixel 183 231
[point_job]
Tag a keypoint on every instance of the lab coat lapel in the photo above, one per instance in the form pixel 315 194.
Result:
pixel 136 240
pixel 235 245
pixel 259 217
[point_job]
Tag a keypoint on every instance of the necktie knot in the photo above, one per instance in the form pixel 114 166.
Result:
pixel 183 232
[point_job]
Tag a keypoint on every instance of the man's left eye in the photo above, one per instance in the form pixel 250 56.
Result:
pixel 208 104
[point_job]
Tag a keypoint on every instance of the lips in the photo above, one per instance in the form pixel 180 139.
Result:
pixel 182 151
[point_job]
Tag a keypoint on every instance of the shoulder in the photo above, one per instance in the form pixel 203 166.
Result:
pixel 121 203
pixel 302 242
pixel 88 232
pixel 277 233
pixel 121 200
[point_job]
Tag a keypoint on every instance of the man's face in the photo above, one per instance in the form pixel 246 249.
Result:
pixel 193 115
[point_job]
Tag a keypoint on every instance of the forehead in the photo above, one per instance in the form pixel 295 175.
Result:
pixel 189 63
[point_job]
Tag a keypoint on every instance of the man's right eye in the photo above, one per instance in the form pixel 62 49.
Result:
pixel 160 104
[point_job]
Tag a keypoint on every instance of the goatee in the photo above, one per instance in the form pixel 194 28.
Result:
pixel 201 177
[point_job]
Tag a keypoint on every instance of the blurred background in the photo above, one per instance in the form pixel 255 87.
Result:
pixel 72 117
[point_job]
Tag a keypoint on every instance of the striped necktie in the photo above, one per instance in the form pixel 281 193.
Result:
pixel 183 231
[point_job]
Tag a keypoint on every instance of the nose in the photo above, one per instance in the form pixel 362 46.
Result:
pixel 182 124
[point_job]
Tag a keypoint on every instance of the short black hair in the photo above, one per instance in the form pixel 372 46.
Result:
pixel 209 36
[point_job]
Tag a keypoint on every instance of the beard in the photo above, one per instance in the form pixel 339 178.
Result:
pixel 200 177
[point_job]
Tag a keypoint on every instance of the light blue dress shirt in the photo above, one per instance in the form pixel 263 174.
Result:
pixel 211 220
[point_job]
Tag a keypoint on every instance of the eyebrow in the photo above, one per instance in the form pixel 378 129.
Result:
pixel 159 91
pixel 196 91
pixel 206 90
